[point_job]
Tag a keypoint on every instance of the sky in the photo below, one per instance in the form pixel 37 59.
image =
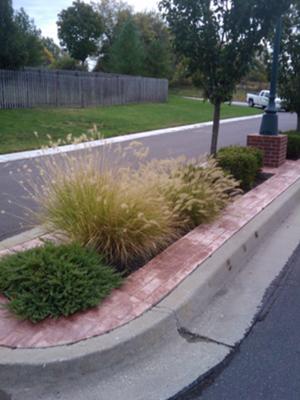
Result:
pixel 44 12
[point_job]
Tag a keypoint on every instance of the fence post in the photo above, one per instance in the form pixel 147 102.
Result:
pixel 81 94
pixel 27 88
pixel 2 90
pixel 56 88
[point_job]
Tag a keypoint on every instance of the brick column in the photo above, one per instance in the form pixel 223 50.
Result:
pixel 273 147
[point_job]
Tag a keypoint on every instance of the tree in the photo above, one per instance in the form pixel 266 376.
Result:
pixel 153 33
pixel 156 40
pixel 52 47
pixel 20 40
pixel 181 75
pixel 30 39
pixel 289 79
pixel 68 63
pixel 126 55
pixel 12 54
pixel 114 14
pixel 220 39
pixel 79 30
pixel 51 52
pixel 259 71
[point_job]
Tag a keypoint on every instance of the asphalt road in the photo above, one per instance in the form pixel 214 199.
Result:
pixel 267 365
pixel 191 143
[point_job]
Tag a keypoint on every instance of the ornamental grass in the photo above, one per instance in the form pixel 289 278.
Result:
pixel 199 193
pixel 126 208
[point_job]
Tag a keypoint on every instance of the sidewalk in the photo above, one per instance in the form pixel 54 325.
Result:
pixel 267 364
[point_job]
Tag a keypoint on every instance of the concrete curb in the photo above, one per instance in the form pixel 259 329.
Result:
pixel 152 330
pixel 23 237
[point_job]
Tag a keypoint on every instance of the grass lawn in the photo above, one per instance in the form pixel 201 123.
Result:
pixel 188 91
pixel 17 127
pixel 191 91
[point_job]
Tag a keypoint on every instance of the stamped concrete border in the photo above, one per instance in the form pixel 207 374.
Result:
pixel 134 340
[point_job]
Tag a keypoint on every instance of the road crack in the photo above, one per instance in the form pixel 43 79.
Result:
pixel 191 337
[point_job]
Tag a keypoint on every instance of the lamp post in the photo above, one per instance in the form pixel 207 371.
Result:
pixel 269 125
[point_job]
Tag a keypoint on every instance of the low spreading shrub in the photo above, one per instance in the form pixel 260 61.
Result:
pixel 293 150
pixel 243 163
pixel 54 281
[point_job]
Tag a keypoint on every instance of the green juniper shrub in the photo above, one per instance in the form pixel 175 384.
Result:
pixel 243 163
pixel 293 150
pixel 55 280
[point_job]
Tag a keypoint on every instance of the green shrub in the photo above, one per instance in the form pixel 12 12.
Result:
pixel 243 163
pixel 54 281
pixel 293 150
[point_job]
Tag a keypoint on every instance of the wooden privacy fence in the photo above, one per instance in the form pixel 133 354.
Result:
pixel 36 88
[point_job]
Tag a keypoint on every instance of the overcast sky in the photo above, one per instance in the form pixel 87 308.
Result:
pixel 45 12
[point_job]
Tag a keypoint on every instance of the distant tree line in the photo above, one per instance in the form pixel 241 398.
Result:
pixel 22 43
pixel 121 40
pixel 118 39
pixel 109 32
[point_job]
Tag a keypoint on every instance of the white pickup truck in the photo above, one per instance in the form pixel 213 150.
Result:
pixel 262 100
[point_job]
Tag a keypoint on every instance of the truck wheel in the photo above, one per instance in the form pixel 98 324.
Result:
pixel 251 103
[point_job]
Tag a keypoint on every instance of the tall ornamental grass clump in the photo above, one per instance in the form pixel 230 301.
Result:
pixel 129 213
pixel 198 193
pixel 110 209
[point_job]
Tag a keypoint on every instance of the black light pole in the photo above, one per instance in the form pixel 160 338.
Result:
pixel 269 125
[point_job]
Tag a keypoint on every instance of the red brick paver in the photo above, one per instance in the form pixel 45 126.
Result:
pixel 149 285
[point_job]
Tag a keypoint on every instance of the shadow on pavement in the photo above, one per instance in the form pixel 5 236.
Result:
pixel 4 395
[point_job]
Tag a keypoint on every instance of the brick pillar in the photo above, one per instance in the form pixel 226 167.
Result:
pixel 273 147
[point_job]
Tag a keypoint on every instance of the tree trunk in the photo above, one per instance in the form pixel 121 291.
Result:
pixel 298 122
pixel 215 129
